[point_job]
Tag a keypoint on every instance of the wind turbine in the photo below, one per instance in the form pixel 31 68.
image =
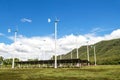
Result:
pixel 15 32
pixel 56 22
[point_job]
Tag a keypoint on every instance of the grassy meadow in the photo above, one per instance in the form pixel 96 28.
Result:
pixel 103 72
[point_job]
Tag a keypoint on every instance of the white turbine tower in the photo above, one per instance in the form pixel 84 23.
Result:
pixel 88 53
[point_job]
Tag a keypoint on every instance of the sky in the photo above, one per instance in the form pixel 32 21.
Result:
pixel 79 21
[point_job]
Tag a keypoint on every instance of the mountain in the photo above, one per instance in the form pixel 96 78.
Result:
pixel 107 52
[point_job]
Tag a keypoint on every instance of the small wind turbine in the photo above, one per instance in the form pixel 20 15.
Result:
pixel 13 61
pixel 56 22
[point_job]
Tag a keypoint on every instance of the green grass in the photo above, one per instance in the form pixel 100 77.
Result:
pixel 104 72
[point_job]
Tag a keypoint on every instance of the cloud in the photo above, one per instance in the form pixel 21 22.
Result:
pixel 97 29
pixel 114 35
pixel 1 34
pixel 44 47
pixel 26 20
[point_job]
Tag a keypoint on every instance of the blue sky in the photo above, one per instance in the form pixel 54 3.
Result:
pixel 77 17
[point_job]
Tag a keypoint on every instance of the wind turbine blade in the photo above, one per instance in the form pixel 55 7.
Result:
pixel 49 20
pixel 9 30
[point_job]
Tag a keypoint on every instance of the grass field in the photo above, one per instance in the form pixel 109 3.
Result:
pixel 104 72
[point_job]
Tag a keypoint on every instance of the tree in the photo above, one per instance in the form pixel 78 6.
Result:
pixel 9 61
pixel 1 60
pixel 33 60
pixel 17 60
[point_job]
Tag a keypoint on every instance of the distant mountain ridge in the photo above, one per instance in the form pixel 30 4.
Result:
pixel 107 52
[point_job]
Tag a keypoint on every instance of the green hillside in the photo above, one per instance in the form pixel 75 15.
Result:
pixel 107 52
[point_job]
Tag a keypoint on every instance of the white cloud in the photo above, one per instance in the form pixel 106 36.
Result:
pixel 1 34
pixel 97 29
pixel 43 47
pixel 115 34
pixel 26 20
